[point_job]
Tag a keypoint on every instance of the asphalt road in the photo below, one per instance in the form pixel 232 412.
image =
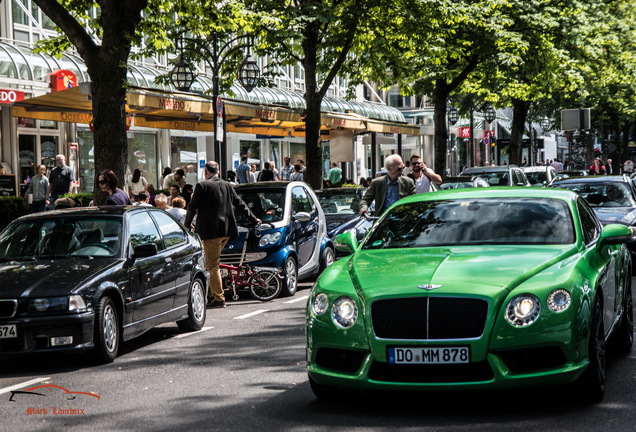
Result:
pixel 245 371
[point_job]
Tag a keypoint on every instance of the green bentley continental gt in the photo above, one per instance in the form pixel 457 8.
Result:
pixel 474 288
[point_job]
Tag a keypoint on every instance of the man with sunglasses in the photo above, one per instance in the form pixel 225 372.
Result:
pixel 422 175
pixel 387 190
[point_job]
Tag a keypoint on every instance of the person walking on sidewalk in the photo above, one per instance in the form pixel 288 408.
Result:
pixel 212 203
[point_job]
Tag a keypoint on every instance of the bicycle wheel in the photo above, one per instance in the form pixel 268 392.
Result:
pixel 264 285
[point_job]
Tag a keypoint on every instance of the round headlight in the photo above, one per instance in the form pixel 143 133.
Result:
pixel 269 239
pixel 41 304
pixel 344 312
pixel 320 304
pixel 523 310
pixel 559 300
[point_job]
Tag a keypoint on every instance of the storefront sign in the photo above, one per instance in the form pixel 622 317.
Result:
pixel 10 96
pixel 464 132
pixel 171 104
pixel 62 80
pixel 8 185
pixel 265 114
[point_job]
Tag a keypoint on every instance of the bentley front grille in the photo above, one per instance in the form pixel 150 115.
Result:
pixel 429 318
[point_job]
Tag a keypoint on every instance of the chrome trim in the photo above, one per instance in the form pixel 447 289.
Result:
pixel 15 308
pixel 427 314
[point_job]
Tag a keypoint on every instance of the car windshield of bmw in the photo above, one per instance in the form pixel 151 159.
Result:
pixel 601 194
pixel 496 221
pixel 267 204
pixel 61 237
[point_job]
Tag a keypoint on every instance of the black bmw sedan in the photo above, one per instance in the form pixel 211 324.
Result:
pixel 89 278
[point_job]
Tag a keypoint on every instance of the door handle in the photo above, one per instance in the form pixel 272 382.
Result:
pixel 168 260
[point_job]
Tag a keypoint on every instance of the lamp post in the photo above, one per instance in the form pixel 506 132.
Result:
pixel 215 51
pixel 453 117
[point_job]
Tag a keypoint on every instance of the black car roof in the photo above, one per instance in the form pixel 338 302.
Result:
pixel 88 211
pixel 592 179
pixel 498 168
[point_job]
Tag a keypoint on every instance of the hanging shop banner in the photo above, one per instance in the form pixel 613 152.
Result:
pixel 10 96
pixel 62 80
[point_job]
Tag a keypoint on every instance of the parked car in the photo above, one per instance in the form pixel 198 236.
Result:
pixel 540 176
pixel 462 182
pixel 473 288
pixel 297 242
pixel 503 175
pixel 90 278
pixel 340 205
pixel 613 199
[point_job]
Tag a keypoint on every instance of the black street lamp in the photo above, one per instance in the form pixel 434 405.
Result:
pixel 453 115
pixel 214 55
pixel 546 123
pixel 489 113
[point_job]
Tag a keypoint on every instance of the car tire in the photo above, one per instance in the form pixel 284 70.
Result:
pixel 106 335
pixel 592 382
pixel 624 336
pixel 290 279
pixel 265 285
pixel 328 257
pixel 196 308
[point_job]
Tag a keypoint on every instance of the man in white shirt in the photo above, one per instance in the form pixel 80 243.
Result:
pixel 422 176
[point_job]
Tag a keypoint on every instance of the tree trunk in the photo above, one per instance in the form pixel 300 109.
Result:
pixel 312 116
pixel 440 96
pixel 520 111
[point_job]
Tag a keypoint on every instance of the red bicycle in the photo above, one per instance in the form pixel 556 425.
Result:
pixel 263 283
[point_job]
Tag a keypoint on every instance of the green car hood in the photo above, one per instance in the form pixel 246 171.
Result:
pixel 481 270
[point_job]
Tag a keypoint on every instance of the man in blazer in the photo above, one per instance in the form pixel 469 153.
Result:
pixel 212 203
pixel 386 190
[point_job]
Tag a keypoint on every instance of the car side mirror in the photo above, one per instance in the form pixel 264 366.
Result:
pixel 145 250
pixel 615 234
pixel 346 242
pixel 302 216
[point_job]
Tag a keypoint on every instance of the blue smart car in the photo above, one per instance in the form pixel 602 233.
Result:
pixel 297 241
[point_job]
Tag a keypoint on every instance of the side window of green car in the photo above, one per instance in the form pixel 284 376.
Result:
pixel 589 224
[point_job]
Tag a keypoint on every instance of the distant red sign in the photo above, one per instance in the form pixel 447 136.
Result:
pixel 10 96
pixel 464 132
pixel 62 80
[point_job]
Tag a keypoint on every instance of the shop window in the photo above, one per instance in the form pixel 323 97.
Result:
pixel 86 175
pixel 26 122
pixel 48 151
pixel 297 151
pixel 48 124
pixel 253 151
pixel 19 16
pixel 142 154
pixel 274 154
pixel 27 158
pixel 183 152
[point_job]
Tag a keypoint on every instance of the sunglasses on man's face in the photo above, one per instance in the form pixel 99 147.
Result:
pixel 103 182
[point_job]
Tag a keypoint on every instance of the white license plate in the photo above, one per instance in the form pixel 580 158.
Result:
pixel 429 355
pixel 8 331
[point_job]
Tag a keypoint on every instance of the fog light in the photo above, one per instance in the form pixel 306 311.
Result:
pixel 61 340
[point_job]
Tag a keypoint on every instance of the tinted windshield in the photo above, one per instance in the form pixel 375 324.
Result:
pixel 339 202
pixel 537 177
pixel 501 221
pixel 499 178
pixel 601 194
pixel 61 237
pixel 267 204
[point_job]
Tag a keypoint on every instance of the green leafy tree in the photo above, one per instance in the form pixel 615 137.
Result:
pixel 329 38
pixel 104 33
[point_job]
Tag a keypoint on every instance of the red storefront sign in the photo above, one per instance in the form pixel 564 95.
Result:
pixel 62 80
pixel 10 96
pixel 464 132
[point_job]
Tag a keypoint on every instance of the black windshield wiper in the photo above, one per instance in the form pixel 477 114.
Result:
pixel 52 256
pixel 18 259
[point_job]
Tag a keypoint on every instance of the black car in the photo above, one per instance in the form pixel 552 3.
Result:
pixel 340 205
pixel 89 278
pixel 613 199
pixel 503 175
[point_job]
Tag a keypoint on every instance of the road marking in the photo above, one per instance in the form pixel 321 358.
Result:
pixel 24 384
pixel 182 335
pixel 251 314
pixel 296 300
